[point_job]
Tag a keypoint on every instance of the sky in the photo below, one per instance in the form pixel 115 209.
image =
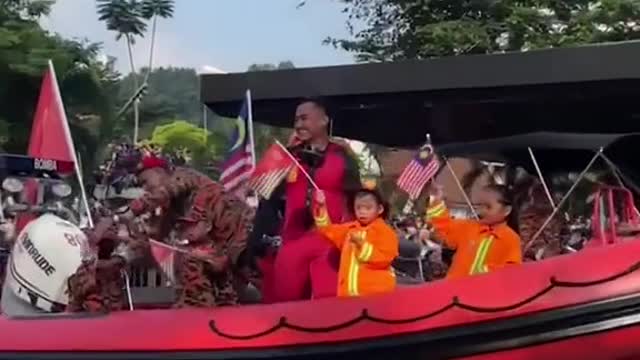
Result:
pixel 228 35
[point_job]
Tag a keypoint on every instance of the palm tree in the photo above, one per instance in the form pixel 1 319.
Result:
pixel 125 18
pixel 152 10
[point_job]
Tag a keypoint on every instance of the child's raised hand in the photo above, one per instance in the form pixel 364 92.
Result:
pixel 320 197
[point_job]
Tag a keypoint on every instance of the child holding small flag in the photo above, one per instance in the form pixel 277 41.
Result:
pixel 368 245
pixel 483 245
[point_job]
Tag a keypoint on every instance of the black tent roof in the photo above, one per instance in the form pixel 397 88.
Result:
pixel 536 141
pixel 588 89
pixel 553 151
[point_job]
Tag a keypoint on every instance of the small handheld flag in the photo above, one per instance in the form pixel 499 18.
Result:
pixel 274 166
pixel 422 168
pixel 164 256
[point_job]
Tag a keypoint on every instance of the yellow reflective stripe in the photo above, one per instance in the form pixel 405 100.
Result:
pixel 436 209
pixel 478 265
pixel 366 252
pixel 353 276
pixel 322 221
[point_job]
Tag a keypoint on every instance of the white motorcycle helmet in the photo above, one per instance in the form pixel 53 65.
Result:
pixel 47 252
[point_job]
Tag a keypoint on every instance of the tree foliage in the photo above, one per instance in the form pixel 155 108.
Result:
pixel 173 93
pixel 84 81
pixel 283 65
pixel 387 30
pixel 125 17
pixel 183 137
pixel 128 19
pixel 160 8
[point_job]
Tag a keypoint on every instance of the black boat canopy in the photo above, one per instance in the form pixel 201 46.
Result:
pixel 591 89
pixel 536 141
pixel 554 152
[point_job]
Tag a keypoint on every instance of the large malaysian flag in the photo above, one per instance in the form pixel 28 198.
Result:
pixel 240 160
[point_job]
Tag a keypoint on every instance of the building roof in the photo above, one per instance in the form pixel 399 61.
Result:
pixel 454 98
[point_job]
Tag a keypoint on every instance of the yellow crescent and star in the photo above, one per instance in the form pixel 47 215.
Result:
pixel 242 132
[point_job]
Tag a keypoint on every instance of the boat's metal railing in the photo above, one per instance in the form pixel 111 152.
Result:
pixel 150 287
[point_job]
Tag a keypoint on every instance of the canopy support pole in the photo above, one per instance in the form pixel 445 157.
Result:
pixel 459 184
pixel 620 176
pixel 564 198
pixel 544 183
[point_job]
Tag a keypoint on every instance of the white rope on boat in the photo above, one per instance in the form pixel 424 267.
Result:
pixel 459 184
pixel 544 183
pixel 127 285
pixel 564 198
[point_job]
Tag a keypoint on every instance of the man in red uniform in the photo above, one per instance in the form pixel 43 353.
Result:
pixel 306 265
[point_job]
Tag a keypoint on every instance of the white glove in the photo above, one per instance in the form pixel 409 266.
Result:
pixel 124 251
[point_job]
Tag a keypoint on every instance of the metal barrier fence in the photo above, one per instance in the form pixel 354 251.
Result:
pixel 150 287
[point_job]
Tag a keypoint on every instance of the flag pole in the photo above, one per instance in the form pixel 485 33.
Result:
pixel 297 163
pixel 250 129
pixel 69 139
pixel 204 123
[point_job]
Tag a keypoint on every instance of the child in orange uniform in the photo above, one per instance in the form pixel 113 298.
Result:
pixel 368 245
pixel 482 245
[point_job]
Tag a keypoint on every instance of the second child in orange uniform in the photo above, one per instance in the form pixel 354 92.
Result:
pixel 368 245
pixel 482 245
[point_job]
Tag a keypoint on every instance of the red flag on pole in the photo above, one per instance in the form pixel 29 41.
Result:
pixel 50 138
pixel 271 170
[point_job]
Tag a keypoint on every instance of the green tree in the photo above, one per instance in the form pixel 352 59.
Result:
pixel 181 136
pixel 283 65
pixel 154 9
pixel 387 30
pixel 25 49
pixel 173 93
pixel 126 19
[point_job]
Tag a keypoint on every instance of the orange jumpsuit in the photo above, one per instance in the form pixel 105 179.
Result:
pixel 479 248
pixel 364 269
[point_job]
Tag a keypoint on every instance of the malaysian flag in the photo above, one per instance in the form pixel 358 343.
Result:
pixel 240 161
pixel 422 168
pixel 275 165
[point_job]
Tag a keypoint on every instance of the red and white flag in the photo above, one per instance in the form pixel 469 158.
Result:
pixel 50 138
pixel 165 257
pixel 274 166
pixel 422 168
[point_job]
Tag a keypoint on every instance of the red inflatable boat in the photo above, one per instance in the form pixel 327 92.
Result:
pixel 584 305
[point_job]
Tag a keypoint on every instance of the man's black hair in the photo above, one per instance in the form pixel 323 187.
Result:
pixel 317 101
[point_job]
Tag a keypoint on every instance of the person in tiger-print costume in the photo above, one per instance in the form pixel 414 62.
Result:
pixel 212 226
pixel 98 284
pixel 533 213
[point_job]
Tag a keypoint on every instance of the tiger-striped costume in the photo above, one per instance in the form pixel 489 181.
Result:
pixel 530 219
pixel 215 224
pixel 98 284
